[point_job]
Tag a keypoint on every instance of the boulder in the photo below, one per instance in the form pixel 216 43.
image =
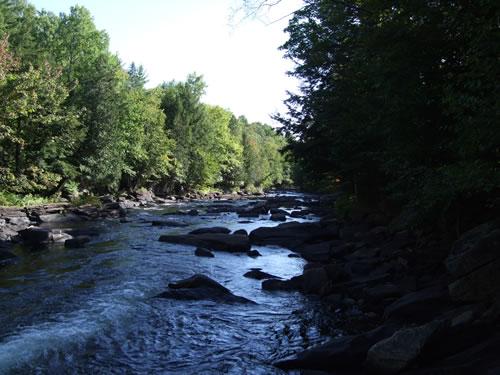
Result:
pixel 241 231
pixel 290 235
pixel 211 230
pixel 314 280
pixel 259 275
pixel 253 253
pixel 200 252
pixel 479 285
pixel 341 353
pixel 419 306
pixel 201 287
pixel 211 241
pixel 59 218
pixel 295 283
pixel 168 223
pixel 474 249
pixel 278 217
pixel 77 242
pixel 37 237
pixel 399 351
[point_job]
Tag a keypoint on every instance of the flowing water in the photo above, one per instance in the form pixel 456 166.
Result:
pixel 93 311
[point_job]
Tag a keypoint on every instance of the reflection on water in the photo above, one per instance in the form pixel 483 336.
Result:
pixel 91 310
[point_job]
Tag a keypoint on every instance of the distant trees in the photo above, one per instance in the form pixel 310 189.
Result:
pixel 70 113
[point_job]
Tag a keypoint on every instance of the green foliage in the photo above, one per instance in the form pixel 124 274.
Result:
pixel 399 98
pixel 12 199
pixel 71 117
pixel 86 199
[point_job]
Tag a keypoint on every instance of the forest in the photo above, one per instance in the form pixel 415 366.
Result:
pixel 73 118
pixel 399 105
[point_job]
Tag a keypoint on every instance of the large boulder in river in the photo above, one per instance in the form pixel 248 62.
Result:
pixel 211 230
pixel 201 287
pixel 213 241
pixel 37 237
pixel 291 235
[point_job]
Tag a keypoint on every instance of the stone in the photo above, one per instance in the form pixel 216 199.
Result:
pixel 341 353
pixel 168 223
pixel 278 217
pixel 253 253
pixel 398 352
pixel 474 249
pixel 211 241
pixel 59 218
pixel 290 235
pixel 77 242
pixel 295 283
pixel 419 306
pixel 241 232
pixel 37 236
pixel 314 279
pixel 479 285
pixel 259 275
pixel 200 252
pixel 201 287
pixel 211 230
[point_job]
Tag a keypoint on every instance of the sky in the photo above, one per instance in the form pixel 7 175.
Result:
pixel 240 61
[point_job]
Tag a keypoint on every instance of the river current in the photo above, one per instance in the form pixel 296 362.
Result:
pixel 93 311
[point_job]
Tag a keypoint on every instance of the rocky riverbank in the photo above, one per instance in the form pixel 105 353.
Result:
pixel 402 303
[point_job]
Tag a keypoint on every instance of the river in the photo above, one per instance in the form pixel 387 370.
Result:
pixel 93 311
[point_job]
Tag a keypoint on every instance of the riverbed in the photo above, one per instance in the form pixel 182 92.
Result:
pixel 93 310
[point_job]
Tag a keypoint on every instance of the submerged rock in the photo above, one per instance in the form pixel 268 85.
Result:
pixel 259 275
pixel 200 252
pixel 201 287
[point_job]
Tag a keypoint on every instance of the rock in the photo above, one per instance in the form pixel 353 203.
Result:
pixel 398 352
pixel 253 253
pixel 211 230
pixel 341 353
pixel 212 241
pixel 259 275
pixel 314 279
pixel 168 223
pixel 18 223
pixel 278 211
pixel 200 252
pixel 475 262
pixel 77 242
pixel 193 212
pixel 295 283
pixel 290 235
pixel 80 232
pixel 37 237
pixel 419 306
pixel 474 249
pixel 319 252
pixel 201 287
pixel 59 218
pixel 241 232
pixel 278 217
pixel 387 290
pixel 144 196
pixel 7 258
pixel 479 285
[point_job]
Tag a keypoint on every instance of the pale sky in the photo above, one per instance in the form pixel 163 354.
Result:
pixel 242 66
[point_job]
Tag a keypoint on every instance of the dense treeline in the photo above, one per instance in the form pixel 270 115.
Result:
pixel 71 117
pixel 400 100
